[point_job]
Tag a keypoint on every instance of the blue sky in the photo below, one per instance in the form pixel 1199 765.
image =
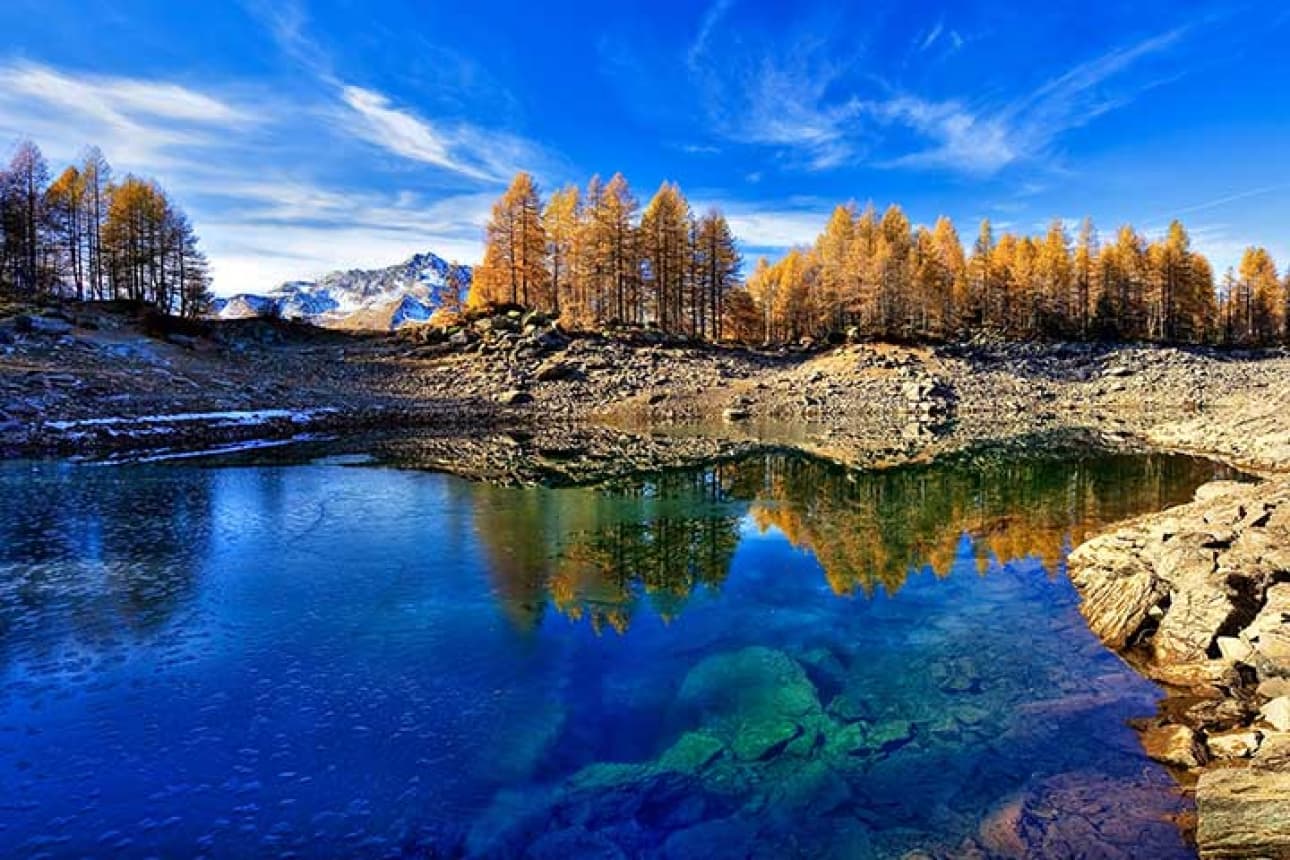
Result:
pixel 306 136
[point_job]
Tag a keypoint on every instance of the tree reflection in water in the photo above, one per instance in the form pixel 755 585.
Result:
pixel 598 555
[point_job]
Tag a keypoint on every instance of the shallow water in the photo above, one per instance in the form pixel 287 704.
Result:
pixel 765 658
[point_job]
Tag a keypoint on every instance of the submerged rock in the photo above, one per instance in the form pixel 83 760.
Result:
pixel 755 700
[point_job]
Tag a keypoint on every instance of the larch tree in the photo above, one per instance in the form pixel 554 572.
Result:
pixel 717 266
pixel 514 267
pixel 561 225
pixel 665 255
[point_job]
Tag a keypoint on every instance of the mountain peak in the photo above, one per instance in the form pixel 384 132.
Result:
pixel 383 298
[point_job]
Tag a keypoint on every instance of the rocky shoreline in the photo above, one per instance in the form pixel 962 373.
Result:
pixel 1198 598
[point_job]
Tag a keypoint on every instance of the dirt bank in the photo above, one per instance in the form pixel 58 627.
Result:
pixel 89 380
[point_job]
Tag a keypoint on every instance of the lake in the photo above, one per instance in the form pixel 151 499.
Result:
pixel 768 657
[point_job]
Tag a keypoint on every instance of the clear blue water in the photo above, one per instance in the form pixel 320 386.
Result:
pixel 768 658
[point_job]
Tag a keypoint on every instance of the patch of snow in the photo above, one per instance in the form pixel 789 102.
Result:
pixel 244 418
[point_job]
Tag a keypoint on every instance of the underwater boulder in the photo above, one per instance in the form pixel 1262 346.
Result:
pixel 756 700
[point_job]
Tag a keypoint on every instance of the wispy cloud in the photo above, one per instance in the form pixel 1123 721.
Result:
pixel 401 132
pixel 711 17
pixel 467 150
pixel 142 121
pixel 983 141
pixel 786 102
pixel 926 43
pixel 1230 198
pixel 817 107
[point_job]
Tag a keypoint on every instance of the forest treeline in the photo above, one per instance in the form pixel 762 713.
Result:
pixel 595 257
pixel 86 236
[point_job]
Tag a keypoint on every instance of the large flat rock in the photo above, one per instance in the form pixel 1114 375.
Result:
pixel 1243 813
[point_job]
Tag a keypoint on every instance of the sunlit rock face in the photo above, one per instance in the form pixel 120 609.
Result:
pixel 339 659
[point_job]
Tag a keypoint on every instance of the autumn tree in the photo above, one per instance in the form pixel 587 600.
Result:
pixel 717 262
pixel 514 266
pixel 665 254
pixel 561 227
pixel 1261 310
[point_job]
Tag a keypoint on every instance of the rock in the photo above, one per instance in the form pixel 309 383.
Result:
pixel 735 413
pixel 574 842
pixel 183 340
pixel 553 369
pixel 691 753
pixel 1214 489
pixel 720 839
pixel 1269 632
pixel 514 397
pixel 1272 688
pixel 1118 585
pixel 754 700
pixel 1243 813
pixel 956 675
pixel 1173 744
pixel 1241 744
pixel 459 339
pixel 1117 371
pixel 1233 648
pixel 43 325
pixel 1273 752
pixel 889 735
pixel 1277 714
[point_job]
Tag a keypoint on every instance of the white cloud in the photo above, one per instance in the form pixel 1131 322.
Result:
pixel 806 102
pixel 770 225
pixel 138 121
pixel 985 141
pixel 406 134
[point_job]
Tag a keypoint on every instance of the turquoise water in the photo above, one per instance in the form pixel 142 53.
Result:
pixel 765 658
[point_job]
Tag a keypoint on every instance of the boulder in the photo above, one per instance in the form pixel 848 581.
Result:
pixel 735 413
pixel 1269 633
pixel 755 700
pixel 514 397
pixel 1276 713
pixel 1239 744
pixel 1214 489
pixel 553 369
pixel 43 325
pixel 1243 813
pixel 1175 745
pixel 1119 586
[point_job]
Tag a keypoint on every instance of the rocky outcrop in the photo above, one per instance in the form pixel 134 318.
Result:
pixel 1198 597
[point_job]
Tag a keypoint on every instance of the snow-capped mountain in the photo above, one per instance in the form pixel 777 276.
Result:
pixel 382 299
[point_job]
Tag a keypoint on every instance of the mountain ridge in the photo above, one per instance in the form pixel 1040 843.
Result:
pixel 383 299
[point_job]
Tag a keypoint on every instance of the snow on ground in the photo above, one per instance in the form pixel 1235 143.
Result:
pixel 235 418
